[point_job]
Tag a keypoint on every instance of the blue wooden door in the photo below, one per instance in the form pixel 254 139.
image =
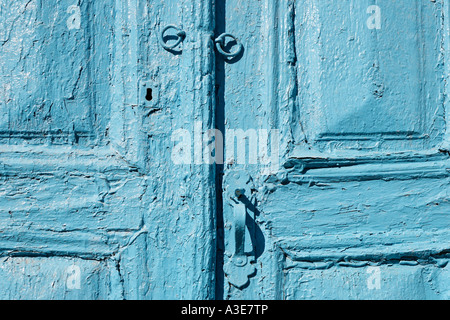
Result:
pixel 355 205
pixel 330 176
pixel 91 205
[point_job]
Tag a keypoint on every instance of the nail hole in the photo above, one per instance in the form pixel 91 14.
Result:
pixel 149 96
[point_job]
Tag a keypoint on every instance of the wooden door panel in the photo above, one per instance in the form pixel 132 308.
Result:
pixel 393 193
pixel 400 282
pixel 361 218
pixel 364 172
pixel 52 205
pixel 369 89
pixel 55 76
pixel 68 197
pixel 45 278
pixel 86 175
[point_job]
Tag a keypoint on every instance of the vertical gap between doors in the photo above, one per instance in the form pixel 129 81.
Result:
pixel 220 14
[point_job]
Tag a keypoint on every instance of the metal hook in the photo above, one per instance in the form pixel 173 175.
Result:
pixel 181 34
pixel 220 43
pixel 240 213
pixel 240 266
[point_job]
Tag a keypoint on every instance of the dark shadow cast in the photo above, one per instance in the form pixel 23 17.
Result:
pixel 220 14
pixel 229 48
pixel 256 234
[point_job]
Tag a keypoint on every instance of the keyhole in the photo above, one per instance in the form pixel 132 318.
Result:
pixel 149 96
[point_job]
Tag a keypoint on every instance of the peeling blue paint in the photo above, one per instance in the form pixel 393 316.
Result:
pixel 92 205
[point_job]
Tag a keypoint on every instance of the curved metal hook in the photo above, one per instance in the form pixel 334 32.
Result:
pixel 220 43
pixel 239 268
pixel 181 34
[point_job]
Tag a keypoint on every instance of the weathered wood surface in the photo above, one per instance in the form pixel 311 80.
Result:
pixel 359 206
pixel 87 180
pixel 93 206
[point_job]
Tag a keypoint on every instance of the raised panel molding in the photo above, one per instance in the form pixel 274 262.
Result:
pixel 407 280
pixel 52 73
pixel 65 183
pixel 352 198
pixel 66 202
pixel 403 102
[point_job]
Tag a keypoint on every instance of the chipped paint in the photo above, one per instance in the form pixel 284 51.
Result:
pixel 92 206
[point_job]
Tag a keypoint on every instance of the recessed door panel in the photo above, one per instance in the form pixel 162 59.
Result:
pixel 54 71
pixel 370 77
pixel 358 206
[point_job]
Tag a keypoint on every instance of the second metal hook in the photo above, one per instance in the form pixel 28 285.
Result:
pixel 220 43
pixel 181 35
